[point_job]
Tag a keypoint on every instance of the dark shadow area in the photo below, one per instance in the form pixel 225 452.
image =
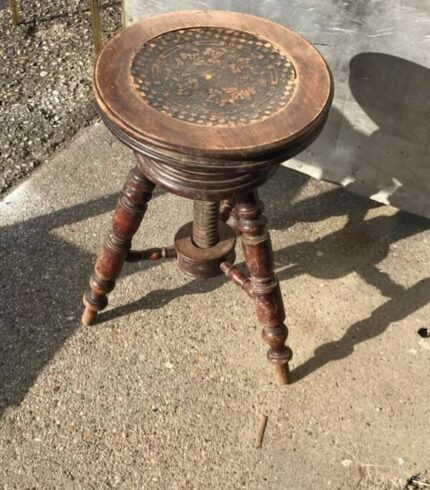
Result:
pixel 394 94
pixel 158 298
pixel 357 247
pixel 400 306
pixel 393 160
pixel 42 279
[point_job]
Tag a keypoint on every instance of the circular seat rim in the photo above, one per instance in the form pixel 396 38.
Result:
pixel 121 104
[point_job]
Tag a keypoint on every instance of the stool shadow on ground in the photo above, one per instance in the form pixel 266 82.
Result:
pixel 400 306
pixel 44 276
pixel 357 247
pixel 42 280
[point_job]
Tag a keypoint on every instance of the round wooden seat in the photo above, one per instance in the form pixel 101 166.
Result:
pixel 210 101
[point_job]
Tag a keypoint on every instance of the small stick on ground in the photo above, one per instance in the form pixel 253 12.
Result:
pixel 260 431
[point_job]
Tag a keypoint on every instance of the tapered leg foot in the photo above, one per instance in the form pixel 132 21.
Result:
pixel 127 217
pixel 89 316
pixel 283 374
pixel 258 253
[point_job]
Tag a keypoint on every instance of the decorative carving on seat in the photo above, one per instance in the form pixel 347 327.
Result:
pixel 213 76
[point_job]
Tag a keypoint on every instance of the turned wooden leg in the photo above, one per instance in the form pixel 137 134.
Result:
pixel 127 217
pixel 258 253
pixel 227 213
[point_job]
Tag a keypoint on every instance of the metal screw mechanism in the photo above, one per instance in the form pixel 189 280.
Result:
pixel 205 224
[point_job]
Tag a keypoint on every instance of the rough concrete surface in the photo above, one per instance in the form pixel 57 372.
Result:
pixel 166 390
pixel 45 79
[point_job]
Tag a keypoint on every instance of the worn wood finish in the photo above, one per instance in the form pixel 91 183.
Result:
pixel 258 254
pixel 119 100
pixel 212 76
pixel 238 277
pixel 228 214
pixel 228 97
pixel 151 254
pixel 128 215
pixel 209 183
pixel 210 103
pixel 225 209
pixel 204 263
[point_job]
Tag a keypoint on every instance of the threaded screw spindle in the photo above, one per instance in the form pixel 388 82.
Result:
pixel 205 223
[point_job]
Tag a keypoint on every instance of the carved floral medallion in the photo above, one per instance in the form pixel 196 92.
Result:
pixel 213 76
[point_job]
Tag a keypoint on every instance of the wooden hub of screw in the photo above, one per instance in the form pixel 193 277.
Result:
pixel 205 243
pixel 204 262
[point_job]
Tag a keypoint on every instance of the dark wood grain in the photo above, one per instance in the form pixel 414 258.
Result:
pixel 266 292
pixel 151 254
pixel 128 215
pixel 204 263
pixel 238 277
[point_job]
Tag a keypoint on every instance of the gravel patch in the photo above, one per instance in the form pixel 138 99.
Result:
pixel 45 86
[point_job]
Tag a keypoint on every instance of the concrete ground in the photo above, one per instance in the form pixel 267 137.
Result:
pixel 166 390
pixel 45 79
